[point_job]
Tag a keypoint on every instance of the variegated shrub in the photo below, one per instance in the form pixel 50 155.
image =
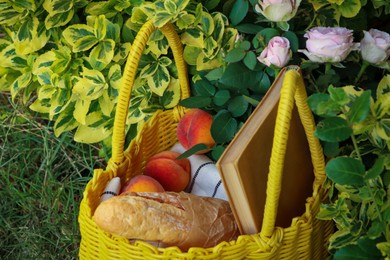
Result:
pixel 65 58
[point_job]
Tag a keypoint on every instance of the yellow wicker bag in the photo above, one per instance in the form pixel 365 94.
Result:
pixel 306 238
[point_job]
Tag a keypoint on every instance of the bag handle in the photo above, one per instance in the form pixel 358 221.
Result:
pixel 136 50
pixel 293 89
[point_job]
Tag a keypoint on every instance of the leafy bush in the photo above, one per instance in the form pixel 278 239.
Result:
pixel 66 59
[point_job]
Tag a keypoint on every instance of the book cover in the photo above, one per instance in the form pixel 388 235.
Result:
pixel 244 166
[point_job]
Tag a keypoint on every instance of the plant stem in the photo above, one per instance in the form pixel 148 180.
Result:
pixel 363 68
pixel 328 66
pixel 355 145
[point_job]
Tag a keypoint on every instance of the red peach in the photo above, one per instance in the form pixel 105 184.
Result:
pixel 195 128
pixel 173 174
pixel 142 183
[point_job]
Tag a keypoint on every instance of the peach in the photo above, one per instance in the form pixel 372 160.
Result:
pixel 194 128
pixel 142 183
pixel 173 174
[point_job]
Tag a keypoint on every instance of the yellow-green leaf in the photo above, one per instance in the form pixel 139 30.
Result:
pixel 78 35
pixel 122 52
pixel 57 19
pixel 46 92
pixel 59 101
pixel 207 23
pixel 349 8
pixel 90 86
pixel 41 106
pixel 383 86
pixel 171 96
pixel 31 36
pixel 203 63
pixel 102 54
pixel 159 81
pixel 100 27
pixel 20 83
pixel 92 134
pixel 52 6
pixel 193 37
pixel 81 109
pixel 65 121
pixel 115 76
pixel 382 105
pixel 106 103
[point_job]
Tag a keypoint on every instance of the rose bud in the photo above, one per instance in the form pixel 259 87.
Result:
pixel 276 53
pixel 278 10
pixel 326 44
pixel 375 46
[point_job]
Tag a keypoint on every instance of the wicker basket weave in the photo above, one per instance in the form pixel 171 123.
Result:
pixel 306 238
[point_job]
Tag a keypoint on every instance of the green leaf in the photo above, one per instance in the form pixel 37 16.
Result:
pixel 196 102
pixel 204 88
pixel 239 10
pixel 267 34
pixel 235 55
pixel 193 150
pixel 224 127
pixel 331 149
pixel 237 76
pixel 376 169
pixel 360 108
pixel 345 171
pixel 376 230
pixel 191 54
pixel 349 8
pixel 338 95
pixel 214 74
pixel 238 106
pixel 221 97
pixel 250 60
pixel 293 39
pixel 333 129
pixel 249 28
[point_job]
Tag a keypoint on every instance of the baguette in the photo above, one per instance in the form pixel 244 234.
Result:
pixel 173 219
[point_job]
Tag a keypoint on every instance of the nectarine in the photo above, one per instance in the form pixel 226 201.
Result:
pixel 174 175
pixel 142 183
pixel 194 128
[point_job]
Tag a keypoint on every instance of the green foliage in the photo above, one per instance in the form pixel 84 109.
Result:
pixel 65 59
pixel 360 175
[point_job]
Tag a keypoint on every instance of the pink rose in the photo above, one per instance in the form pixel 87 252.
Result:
pixel 276 53
pixel 326 44
pixel 278 10
pixel 375 46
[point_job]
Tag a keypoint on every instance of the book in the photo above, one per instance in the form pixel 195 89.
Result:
pixel 244 166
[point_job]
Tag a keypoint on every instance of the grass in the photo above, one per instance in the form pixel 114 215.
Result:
pixel 42 178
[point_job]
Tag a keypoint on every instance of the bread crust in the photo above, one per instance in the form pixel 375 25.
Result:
pixel 134 216
pixel 170 218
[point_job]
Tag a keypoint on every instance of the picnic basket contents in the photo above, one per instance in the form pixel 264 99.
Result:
pixel 180 225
